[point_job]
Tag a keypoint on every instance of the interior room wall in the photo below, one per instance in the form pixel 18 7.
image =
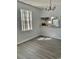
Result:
pixel 26 35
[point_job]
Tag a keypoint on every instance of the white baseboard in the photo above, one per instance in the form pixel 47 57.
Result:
pixel 28 39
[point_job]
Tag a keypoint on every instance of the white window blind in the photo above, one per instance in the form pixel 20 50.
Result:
pixel 26 20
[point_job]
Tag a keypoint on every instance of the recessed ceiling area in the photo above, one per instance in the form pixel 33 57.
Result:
pixel 41 3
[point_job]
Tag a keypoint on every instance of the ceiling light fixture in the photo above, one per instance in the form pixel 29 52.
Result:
pixel 50 8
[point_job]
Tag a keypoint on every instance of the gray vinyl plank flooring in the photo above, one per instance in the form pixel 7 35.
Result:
pixel 39 49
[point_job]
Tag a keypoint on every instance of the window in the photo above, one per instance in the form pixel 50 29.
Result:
pixel 26 20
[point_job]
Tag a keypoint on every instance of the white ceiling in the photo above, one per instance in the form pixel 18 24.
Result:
pixel 41 3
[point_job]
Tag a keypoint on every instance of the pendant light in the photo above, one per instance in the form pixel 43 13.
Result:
pixel 50 8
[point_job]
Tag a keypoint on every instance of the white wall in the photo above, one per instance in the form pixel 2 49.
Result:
pixel 26 35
